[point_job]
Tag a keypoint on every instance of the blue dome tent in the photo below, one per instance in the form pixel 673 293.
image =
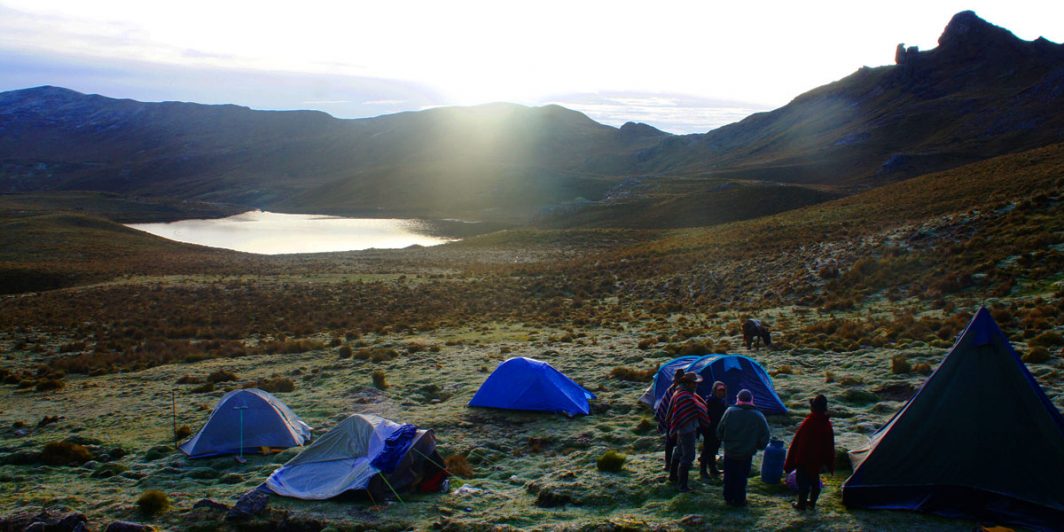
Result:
pixel 526 384
pixel 736 371
pixel 267 422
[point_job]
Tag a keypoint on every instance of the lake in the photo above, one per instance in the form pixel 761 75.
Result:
pixel 271 233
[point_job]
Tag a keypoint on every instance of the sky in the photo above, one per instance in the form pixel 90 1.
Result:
pixel 681 66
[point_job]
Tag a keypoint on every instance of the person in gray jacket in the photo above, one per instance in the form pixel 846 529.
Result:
pixel 743 431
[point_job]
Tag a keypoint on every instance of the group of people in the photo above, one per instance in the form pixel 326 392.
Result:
pixel 683 415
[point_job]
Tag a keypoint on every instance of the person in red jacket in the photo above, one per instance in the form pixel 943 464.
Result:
pixel 812 450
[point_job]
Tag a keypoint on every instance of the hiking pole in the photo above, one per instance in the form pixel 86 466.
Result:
pixel 240 458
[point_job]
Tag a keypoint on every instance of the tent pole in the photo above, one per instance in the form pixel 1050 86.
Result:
pixel 433 462
pixel 240 458
pixel 389 484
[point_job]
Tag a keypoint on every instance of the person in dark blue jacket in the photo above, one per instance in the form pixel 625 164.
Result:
pixel 716 404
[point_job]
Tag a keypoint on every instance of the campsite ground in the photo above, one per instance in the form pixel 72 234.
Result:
pixel 864 296
pixel 528 470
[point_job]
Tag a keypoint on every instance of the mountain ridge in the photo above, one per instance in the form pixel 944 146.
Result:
pixel 981 93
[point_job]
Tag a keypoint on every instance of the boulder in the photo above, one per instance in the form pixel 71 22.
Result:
pixel 127 526
pixel 48 519
pixel 210 503
pixel 250 504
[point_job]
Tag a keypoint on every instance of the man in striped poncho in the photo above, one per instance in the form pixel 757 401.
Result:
pixel 661 414
pixel 687 418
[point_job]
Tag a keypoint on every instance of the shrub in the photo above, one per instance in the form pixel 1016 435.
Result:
pixel 645 425
pixel 785 369
pixel 189 379
pixel 221 375
pixel 692 347
pixel 153 502
pixel 899 365
pixel 416 347
pixel 49 385
pixel 344 352
pixel 376 354
pixel 380 379
pixel 182 432
pixel 647 343
pixel 1036 355
pixel 205 388
pixel 1047 339
pixel 633 375
pixel 276 384
pixel 109 470
pixel 611 461
pixel 856 396
pixel 157 452
pixel 851 380
pixel 458 465
pixel 923 368
pixel 65 453
pixel 829 376
pixel 842 460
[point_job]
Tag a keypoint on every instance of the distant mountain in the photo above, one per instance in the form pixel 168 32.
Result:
pixel 982 92
pixel 496 158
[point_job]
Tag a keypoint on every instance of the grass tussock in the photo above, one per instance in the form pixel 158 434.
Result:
pixel 611 461
pixel 182 432
pixel 376 354
pixel 61 453
pixel 458 466
pixel 153 502
pixel 275 384
pixel 222 375
pixel 380 379
pixel 625 373
pixel 900 365
pixel 1036 355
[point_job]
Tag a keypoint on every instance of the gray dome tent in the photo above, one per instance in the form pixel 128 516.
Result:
pixel 362 452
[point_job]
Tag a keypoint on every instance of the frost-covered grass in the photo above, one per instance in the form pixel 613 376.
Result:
pixel 529 470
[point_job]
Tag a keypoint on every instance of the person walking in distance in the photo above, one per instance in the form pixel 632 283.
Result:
pixel 812 450
pixel 687 419
pixel 743 430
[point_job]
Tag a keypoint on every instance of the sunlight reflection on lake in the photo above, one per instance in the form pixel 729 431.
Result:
pixel 270 233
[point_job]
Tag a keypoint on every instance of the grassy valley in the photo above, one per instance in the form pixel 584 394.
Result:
pixel 864 294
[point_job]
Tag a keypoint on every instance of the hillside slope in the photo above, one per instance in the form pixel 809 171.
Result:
pixel 982 92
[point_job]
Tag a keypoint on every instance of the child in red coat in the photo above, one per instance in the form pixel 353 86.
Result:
pixel 812 450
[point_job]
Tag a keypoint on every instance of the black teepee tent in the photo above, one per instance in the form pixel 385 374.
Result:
pixel 979 440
